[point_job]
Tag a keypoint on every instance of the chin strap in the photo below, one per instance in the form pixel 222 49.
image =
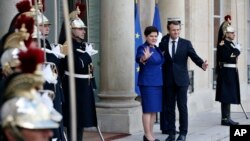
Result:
pixel 16 132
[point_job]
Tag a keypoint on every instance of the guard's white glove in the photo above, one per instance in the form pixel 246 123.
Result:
pixel 56 50
pixel 238 46
pixel 90 50
pixel 48 75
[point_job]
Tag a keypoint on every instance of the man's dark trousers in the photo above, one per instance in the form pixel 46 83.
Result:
pixel 177 94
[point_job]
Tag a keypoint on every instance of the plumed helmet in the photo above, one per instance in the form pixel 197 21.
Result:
pixel 224 27
pixel 42 19
pixel 26 113
pixel 9 61
pixel 16 39
pixel 229 29
pixel 13 44
pixel 75 21
pixel 24 85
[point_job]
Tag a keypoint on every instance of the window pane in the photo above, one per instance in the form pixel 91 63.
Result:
pixel 216 7
pixel 216 30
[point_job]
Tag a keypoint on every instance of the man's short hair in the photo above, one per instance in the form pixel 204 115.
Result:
pixel 174 23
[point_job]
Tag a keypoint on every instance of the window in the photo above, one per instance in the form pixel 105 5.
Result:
pixel 248 49
pixel 216 21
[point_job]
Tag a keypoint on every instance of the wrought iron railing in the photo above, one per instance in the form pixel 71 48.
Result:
pixel 214 78
pixel 248 74
pixel 191 79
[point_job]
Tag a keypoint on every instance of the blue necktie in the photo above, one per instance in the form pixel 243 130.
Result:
pixel 173 49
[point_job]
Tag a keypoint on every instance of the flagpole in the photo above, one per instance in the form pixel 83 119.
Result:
pixel 237 37
pixel 36 19
pixel 71 71
pixel 56 21
pixel 87 13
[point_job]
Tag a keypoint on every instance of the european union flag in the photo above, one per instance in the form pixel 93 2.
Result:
pixel 157 23
pixel 138 42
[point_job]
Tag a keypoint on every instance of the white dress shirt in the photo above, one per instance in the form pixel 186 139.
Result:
pixel 170 45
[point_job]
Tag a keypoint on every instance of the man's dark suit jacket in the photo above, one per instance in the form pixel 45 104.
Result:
pixel 177 69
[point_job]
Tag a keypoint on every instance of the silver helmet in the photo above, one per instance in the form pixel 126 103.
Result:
pixel 42 19
pixel 26 113
pixel 229 29
pixel 13 44
pixel 75 21
pixel 9 61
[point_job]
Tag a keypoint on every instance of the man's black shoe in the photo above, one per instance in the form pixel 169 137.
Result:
pixel 181 138
pixel 228 122
pixel 170 138
pixel 164 132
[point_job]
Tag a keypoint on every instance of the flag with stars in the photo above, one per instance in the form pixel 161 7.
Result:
pixel 138 42
pixel 157 23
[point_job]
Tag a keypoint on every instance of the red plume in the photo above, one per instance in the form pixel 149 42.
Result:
pixel 28 42
pixel 82 8
pixel 42 2
pixel 28 21
pixel 23 6
pixel 30 59
pixel 227 17
pixel 29 25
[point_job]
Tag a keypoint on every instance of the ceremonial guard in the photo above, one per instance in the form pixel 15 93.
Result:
pixel 228 87
pixel 52 84
pixel 85 102
pixel 26 114
pixel 52 66
pixel 14 43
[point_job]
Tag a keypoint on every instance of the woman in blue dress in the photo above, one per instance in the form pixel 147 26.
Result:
pixel 150 60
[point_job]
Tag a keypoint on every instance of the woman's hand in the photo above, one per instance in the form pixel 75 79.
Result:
pixel 146 55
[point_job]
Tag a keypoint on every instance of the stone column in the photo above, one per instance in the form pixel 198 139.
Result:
pixel 117 110
pixel 7 12
pixel 172 8
pixel 147 8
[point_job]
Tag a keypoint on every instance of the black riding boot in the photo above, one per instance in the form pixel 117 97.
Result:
pixel 225 115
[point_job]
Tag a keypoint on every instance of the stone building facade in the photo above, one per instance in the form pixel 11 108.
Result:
pixel 111 27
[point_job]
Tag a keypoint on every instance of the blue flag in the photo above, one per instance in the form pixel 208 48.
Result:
pixel 157 23
pixel 138 42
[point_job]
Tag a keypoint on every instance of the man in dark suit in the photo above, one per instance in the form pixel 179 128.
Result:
pixel 176 80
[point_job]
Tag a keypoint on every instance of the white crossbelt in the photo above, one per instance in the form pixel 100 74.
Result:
pixel 80 75
pixel 229 65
